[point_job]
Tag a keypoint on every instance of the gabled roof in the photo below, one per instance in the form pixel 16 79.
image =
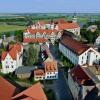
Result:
pixel 74 45
pixel 46 31
pixel 37 40
pixel 67 25
pixel 50 65
pixel 6 89
pixel 32 93
pixel 3 55
pixel 79 75
pixel 13 50
pixel 24 70
pixel 39 72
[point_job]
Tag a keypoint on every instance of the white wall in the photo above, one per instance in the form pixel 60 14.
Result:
pixel 69 54
pixel 8 62
pixel 51 75
pixel 12 64
pixel 84 58
pixel 74 87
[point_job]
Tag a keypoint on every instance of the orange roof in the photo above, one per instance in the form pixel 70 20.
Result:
pixel 79 75
pixel 67 25
pixel 39 40
pixel 32 93
pixel 4 54
pixel 74 45
pixel 6 89
pixel 61 21
pixel 39 72
pixel 13 50
pixel 34 31
pixel 50 66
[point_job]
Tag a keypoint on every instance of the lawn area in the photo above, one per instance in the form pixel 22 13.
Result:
pixel 9 28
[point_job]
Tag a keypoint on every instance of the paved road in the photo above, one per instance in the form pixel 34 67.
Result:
pixel 61 88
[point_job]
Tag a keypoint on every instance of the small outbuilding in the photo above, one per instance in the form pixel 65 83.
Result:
pixel 24 72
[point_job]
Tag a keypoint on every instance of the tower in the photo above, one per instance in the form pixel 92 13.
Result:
pixel 74 18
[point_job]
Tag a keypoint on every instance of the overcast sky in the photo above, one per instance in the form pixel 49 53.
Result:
pixel 49 6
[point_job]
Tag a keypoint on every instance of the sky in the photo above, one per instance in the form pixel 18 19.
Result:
pixel 49 6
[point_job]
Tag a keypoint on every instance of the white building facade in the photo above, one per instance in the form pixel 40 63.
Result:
pixel 84 55
pixel 12 59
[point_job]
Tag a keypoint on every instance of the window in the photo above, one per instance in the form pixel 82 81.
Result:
pixel 82 62
pixel 12 66
pixel 96 56
pixel 87 57
pixel 47 76
pixel 7 66
pixel 82 57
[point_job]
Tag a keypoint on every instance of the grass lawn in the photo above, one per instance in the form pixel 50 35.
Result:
pixel 9 28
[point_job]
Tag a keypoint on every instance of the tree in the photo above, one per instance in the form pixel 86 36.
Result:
pixel 31 56
pixel 19 35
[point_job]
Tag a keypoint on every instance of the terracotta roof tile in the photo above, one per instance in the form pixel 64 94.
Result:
pixel 74 45
pixel 35 93
pixel 13 50
pixel 79 75
pixel 6 89
pixel 37 40
pixel 4 54
pixel 39 72
pixel 34 31
pixel 67 25
pixel 50 66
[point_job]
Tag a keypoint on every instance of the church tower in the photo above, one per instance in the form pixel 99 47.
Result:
pixel 74 18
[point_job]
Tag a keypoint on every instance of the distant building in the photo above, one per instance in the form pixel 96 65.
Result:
pixel 40 35
pixel 92 28
pixel 77 52
pixel 97 41
pixel 12 58
pixel 41 32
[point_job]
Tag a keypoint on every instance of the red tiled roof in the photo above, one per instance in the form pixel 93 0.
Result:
pixel 35 93
pixel 74 45
pixel 61 21
pixel 79 75
pixel 34 31
pixel 6 89
pixel 50 66
pixel 4 54
pixel 13 50
pixel 39 72
pixel 37 40
pixel 67 25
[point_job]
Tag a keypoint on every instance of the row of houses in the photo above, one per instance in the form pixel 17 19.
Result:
pixel 42 32
pixel 9 91
pixel 84 78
